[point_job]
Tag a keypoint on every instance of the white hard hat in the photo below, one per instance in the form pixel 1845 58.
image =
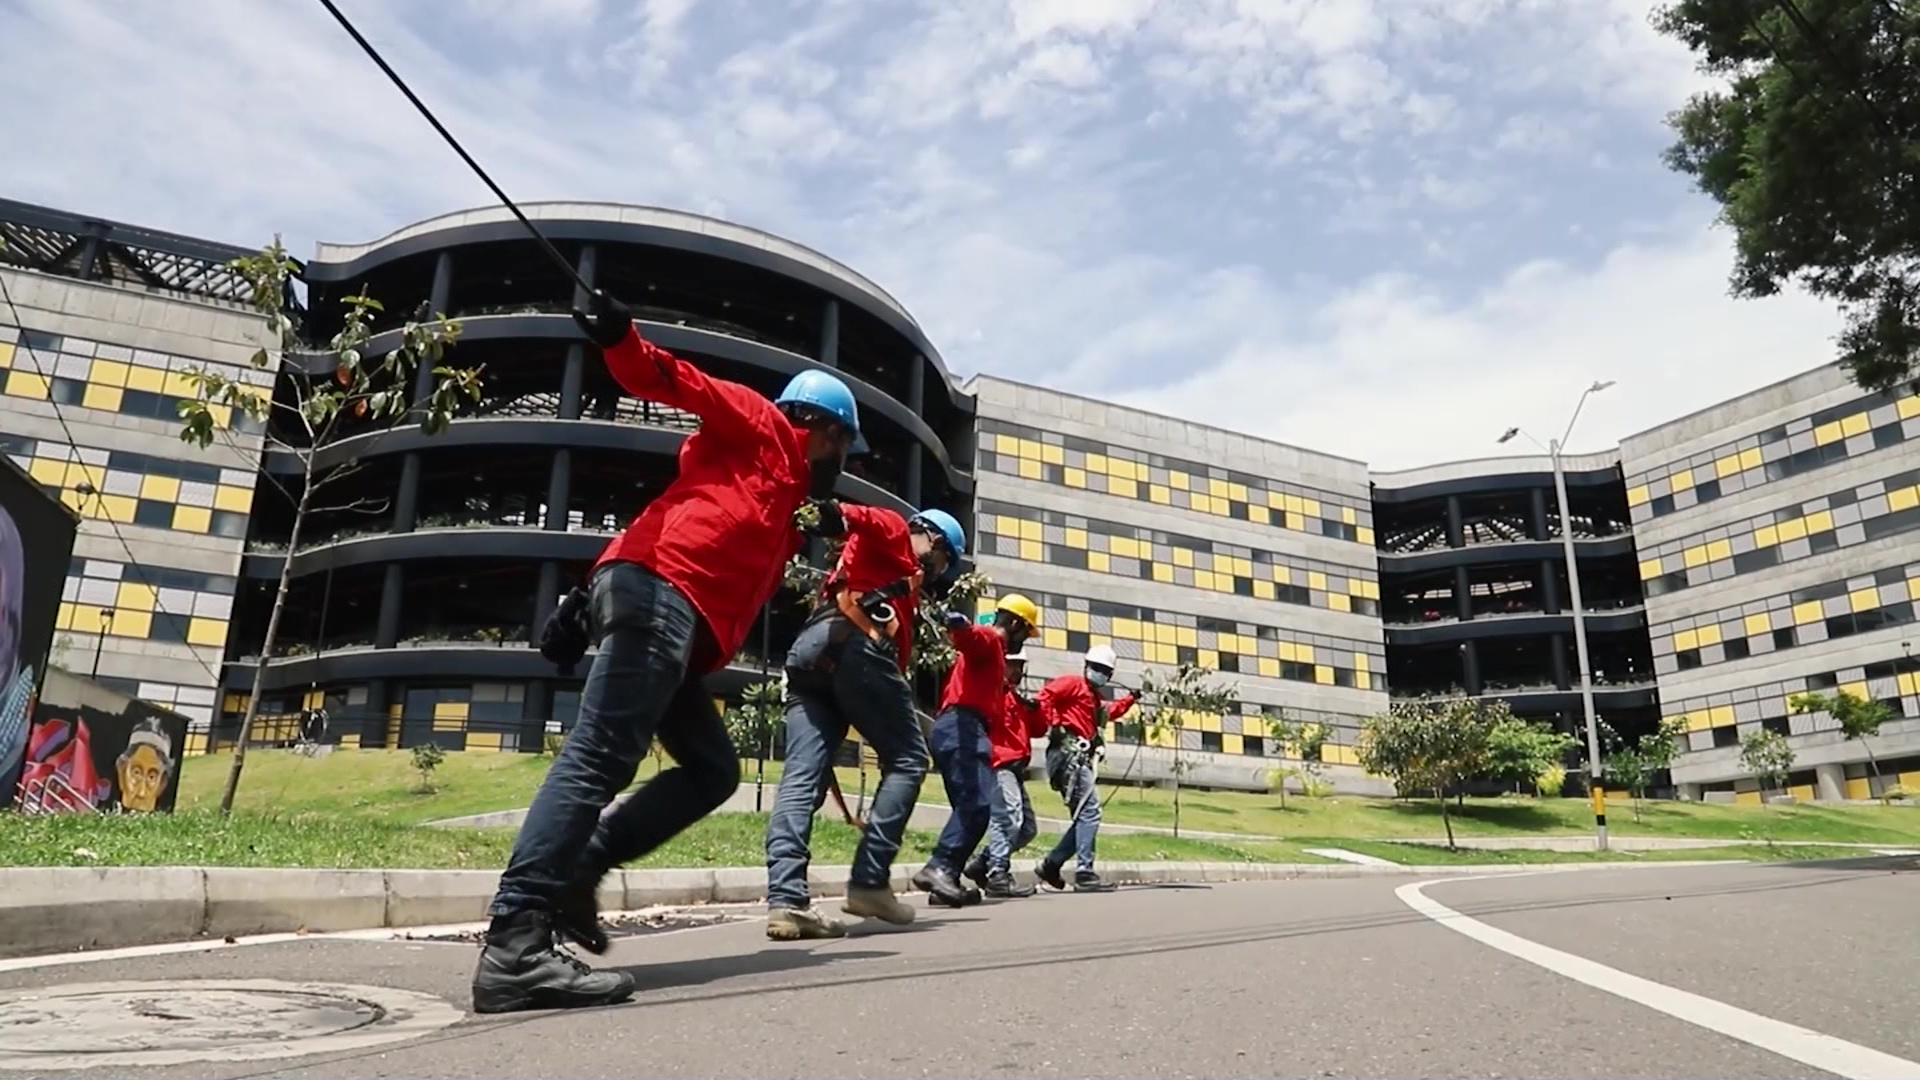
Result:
pixel 1102 656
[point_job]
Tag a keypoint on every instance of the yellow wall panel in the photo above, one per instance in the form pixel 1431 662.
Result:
pixel 1363 535
pixel 1864 599
pixel 1819 521
pixel 1079 620
pixel 1721 715
pixel 1746 798
pixel 1699 721
pixel 238 500
pixel 146 379
pixel 1793 530
pixel 1269 667
pixel 116 508
pixel 1859 787
pixel 1075 477
pixel 1162 573
pixel 1905 498
pixel 1339 602
pixel 449 710
pixel 1649 569
pixel 1099 562
pixel 210 632
pixel 1727 466
pixel 1032 551
pixel 1826 433
pixel 1006 444
pixel 1182 557
pixel 1709 635
pixel 1264 590
pixel 162 488
pixel 1719 549
pixel 1053 637
pixel 1759 624
pixel 485 742
pixel 1158 494
pixel 1178 480
pixel 104 398
pixel 1808 612
pixel 1130 629
pixel 1694 556
pixel 192 518
pixel 1682 480
pixel 1854 425
pixel 1323 674
pixel 1686 639
pixel 1231 743
pixel 1053 455
pixel 1636 495
pixel 1750 458
pixel 178 385
pixel 1030 469
pixel 1203 579
pixel 27 384
pixel 133 596
pixel 1096 463
pixel 1126 489
pixel 1766 536
pixel 6 353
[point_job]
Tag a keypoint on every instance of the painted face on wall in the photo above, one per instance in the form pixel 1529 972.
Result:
pixel 143 776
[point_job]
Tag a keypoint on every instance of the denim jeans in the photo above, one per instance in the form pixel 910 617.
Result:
pixel 964 757
pixel 638 688
pixel 1083 803
pixel 1013 825
pixel 865 689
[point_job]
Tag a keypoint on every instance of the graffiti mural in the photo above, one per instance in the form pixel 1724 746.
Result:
pixel 95 750
pixel 36 543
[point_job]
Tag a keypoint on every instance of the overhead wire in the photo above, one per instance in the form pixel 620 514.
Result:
pixel 538 236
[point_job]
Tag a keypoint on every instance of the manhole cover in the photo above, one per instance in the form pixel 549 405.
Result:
pixel 97 1025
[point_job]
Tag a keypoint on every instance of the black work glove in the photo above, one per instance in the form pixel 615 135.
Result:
pixel 606 320
pixel 565 636
pixel 826 521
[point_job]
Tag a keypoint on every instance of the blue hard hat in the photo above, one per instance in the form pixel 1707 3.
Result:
pixel 819 390
pixel 948 527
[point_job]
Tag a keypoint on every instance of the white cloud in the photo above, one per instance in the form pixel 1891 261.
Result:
pixel 1388 371
pixel 1360 225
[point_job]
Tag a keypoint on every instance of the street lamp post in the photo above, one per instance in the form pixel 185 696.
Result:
pixel 100 642
pixel 1554 449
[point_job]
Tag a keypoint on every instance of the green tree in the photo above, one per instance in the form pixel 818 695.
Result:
pixel 1633 767
pixel 1858 717
pixel 1518 751
pixel 1769 757
pixel 751 724
pixel 1167 703
pixel 1428 746
pixel 1810 150
pixel 346 393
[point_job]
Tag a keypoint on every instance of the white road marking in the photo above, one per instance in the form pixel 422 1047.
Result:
pixel 408 935
pixel 1343 855
pixel 1803 1045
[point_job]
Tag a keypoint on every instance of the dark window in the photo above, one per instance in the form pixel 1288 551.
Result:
pixel 167 626
pixel 1747 562
pixel 1893 524
pixel 1186 655
pixel 1229 663
pixel 153 513
pixel 1738 649
pixel 1776 724
pixel 228 524
pixel 1890 576
pixel 1726 736
pixel 1783 638
pixel 1078 641
pixel 1662 505
pixel 1062 555
pixel 1254 746
pixel 1708 491
pixel 1840 626
pixel 1242 586
pixel 1210 740
pixel 1888 435
pixel 1825 681
pixel 1822 542
pixel 1688 659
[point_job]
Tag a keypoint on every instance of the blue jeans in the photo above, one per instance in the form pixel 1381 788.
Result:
pixel 1013 824
pixel 964 757
pixel 865 689
pixel 1083 803
pixel 637 688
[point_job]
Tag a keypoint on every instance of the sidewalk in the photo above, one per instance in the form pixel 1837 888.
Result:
pixel 61 909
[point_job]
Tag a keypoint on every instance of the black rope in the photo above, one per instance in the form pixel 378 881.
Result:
pixel 374 55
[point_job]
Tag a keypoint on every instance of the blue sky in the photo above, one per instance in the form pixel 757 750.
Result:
pixel 1382 228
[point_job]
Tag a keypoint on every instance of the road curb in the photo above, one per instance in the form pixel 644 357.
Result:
pixel 64 909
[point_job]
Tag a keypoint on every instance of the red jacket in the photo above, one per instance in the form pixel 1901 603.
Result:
pixel 978 680
pixel 723 530
pixel 1070 702
pixel 876 552
pixel 1013 730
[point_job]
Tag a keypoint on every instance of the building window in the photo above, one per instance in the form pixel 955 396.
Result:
pixel 1738 649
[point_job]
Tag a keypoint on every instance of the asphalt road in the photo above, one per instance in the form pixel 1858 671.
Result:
pixel 1329 978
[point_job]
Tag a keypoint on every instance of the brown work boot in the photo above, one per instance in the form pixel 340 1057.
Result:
pixel 788 924
pixel 876 902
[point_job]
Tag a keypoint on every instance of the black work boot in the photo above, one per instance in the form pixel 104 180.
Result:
pixel 578 917
pixel 976 871
pixel 1001 886
pixel 1049 872
pixel 1088 881
pixel 939 883
pixel 522 967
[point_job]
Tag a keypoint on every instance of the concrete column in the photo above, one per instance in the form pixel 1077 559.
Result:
pixel 1550 586
pixel 1538 525
pixel 1470 667
pixel 1562 678
pixel 1462 594
pixel 437 299
pixel 1456 529
pixel 830 334
pixel 572 377
pixel 1829 782
pixel 535 714
pixel 387 630
pixel 373 723
pixel 588 265
pixel 559 490
pixel 546 596
pixel 406 501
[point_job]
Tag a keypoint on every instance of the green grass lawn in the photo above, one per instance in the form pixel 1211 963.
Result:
pixel 348 841
pixel 1427 855
pixel 361 809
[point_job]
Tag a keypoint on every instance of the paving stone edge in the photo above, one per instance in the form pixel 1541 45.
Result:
pixel 63 909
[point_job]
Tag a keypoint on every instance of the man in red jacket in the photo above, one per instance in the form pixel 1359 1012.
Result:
pixel 670 600
pixel 1013 825
pixel 848 667
pixel 961 740
pixel 1075 712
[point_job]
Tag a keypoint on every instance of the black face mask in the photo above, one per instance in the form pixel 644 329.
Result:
pixel 822 474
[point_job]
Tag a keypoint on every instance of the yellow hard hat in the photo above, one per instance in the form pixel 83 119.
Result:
pixel 1020 607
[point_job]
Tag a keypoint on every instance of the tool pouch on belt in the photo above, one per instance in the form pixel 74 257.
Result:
pixel 1065 753
pixel 565 635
